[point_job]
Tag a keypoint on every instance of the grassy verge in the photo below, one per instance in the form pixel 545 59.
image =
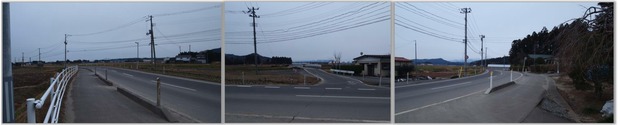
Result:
pixel 444 71
pixel 267 75
pixel 207 72
pixel 31 82
pixel 584 102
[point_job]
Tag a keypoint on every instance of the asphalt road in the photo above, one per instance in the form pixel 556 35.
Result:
pixel 196 100
pixel 335 99
pixel 412 97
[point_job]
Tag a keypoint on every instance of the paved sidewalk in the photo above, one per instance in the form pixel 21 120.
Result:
pixel 508 105
pixel 89 100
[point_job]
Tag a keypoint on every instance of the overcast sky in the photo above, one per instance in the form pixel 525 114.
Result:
pixel 308 31
pixel 109 30
pixel 500 22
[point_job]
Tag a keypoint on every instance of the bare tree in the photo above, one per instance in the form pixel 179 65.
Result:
pixel 337 56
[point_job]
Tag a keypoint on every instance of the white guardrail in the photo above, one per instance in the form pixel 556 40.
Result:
pixel 56 91
pixel 342 71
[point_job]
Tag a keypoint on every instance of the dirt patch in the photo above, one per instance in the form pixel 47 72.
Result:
pixel 267 75
pixel 206 72
pixel 31 82
pixel 584 102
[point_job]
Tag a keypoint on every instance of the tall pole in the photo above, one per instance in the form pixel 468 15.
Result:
pixel 180 49
pixel 8 106
pixel 415 62
pixel 465 11
pixel 39 56
pixel 23 58
pixel 65 51
pixel 137 54
pixel 153 56
pixel 190 48
pixel 252 12
pixel 481 54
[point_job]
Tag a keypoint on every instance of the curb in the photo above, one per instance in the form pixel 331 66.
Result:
pixel 495 88
pixel 109 83
pixel 162 111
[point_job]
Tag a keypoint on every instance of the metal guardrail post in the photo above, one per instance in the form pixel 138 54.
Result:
pixel 158 92
pixel 491 83
pixel 30 110
pixel 407 77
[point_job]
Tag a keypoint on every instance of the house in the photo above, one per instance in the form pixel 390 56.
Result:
pixel 548 59
pixel 401 61
pixel 183 58
pixel 374 65
pixel 201 58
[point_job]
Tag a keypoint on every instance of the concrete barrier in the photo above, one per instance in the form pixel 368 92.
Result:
pixel 162 111
pixel 107 82
pixel 495 88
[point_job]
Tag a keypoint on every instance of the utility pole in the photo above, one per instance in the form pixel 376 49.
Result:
pixel 180 49
pixel 65 61
pixel 8 105
pixel 153 56
pixel 39 56
pixel 137 54
pixel 415 60
pixel 465 11
pixel 190 48
pixel 252 12
pixel 481 46
pixel 22 58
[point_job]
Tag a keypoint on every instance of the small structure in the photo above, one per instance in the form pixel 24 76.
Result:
pixel 183 58
pixel 374 65
pixel 201 58
pixel 547 58
pixel 402 61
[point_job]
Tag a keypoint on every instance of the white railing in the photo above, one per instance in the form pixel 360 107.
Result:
pixel 56 91
pixel 337 71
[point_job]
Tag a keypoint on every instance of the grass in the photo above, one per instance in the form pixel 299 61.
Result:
pixel 207 72
pixel 444 71
pixel 31 82
pixel 267 75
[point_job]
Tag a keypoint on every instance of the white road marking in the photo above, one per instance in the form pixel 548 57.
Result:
pixel 308 118
pixel 128 74
pixel 485 72
pixel 244 86
pixel 450 85
pixel 365 89
pixel 301 87
pixel 272 87
pixel 345 97
pixel 426 106
pixel 518 77
pixel 163 83
pixel 333 88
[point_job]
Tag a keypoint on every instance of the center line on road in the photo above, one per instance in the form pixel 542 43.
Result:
pixel 411 110
pixel 365 89
pixel 244 86
pixel 128 74
pixel 333 88
pixel 174 86
pixel 272 87
pixel 449 85
pixel 301 87
pixel 346 97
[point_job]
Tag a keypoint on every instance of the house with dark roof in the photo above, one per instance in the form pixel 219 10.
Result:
pixel 374 65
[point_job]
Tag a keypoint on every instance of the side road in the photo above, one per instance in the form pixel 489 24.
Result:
pixel 90 100
pixel 508 105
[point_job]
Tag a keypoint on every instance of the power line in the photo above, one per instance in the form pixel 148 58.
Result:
pixel 186 11
pixel 112 29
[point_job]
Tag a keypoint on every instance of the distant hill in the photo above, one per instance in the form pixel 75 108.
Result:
pixel 436 61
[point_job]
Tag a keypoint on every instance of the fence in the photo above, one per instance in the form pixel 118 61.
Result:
pixel 56 91
pixel 342 71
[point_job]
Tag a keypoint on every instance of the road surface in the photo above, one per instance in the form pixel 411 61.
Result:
pixel 431 101
pixel 196 100
pixel 335 99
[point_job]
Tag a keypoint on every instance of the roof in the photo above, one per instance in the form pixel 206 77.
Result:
pixel 373 56
pixel 534 56
pixel 401 59
pixel 183 56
